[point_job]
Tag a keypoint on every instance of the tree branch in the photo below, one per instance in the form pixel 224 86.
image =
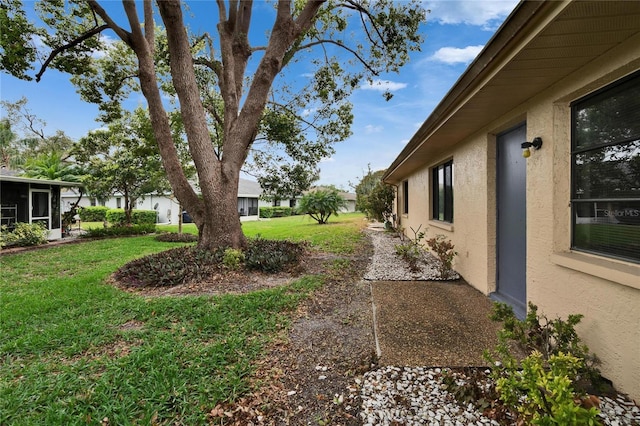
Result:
pixel 149 26
pixel 55 52
pixel 121 32
pixel 345 47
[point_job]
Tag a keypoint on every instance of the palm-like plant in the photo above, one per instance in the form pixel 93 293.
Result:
pixel 321 204
pixel 51 166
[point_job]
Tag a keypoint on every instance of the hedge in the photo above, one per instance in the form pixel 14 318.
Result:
pixel 93 213
pixel 278 211
pixel 138 217
pixel 142 217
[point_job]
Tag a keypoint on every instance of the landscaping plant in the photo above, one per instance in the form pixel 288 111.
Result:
pixel 413 250
pixel 233 259
pixel 24 234
pixel 321 204
pixel 548 386
pixel 444 251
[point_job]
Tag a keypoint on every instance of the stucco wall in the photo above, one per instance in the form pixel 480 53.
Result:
pixel 560 282
pixel 606 291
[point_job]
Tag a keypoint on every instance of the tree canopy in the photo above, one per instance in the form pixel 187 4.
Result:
pixel 123 159
pixel 374 197
pixel 232 84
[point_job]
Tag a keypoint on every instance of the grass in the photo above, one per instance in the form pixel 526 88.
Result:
pixel 341 235
pixel 76 350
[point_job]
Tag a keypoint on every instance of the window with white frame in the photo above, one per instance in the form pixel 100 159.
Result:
pixel 605 193
pixel 442 192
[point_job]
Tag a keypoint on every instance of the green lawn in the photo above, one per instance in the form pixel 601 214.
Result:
pixel 338 236
pixel 75 350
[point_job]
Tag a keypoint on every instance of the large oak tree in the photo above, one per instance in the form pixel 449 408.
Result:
pixel 243 75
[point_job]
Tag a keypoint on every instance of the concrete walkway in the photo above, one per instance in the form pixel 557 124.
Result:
pixel 432 323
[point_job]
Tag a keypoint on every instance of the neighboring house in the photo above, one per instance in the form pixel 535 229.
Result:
pixel 350 198
pixel 32 200
pixel 168 207
pixel 560 229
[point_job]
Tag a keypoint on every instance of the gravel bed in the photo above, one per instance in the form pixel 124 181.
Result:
pixel 387 266
pixel 393 395
pixel 416 396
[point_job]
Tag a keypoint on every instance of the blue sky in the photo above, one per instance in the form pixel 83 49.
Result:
pixel 455 32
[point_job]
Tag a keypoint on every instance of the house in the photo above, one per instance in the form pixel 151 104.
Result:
pixel 167 205
pixel 350 199
pixel 530 165
pixel 32 200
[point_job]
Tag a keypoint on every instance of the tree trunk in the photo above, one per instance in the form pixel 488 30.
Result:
pixel 220 225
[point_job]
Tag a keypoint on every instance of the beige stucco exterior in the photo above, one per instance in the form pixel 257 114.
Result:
pixel 558 281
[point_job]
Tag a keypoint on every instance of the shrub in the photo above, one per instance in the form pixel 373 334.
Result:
pixel 542 391
pixel 547 386
pixel 233 259
pixel 24 234
pixel 169 268
pixel 141 217
pixel 321 204
pixel 93 214
pixel 277 211
pixel 174 237
pixel 412 250
pixel 443 250
pixel 272 256
pixel 266 212
pixel 120 231
pixel 116 217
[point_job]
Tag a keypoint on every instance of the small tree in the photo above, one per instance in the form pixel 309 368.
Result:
pixel 374 197
pixel 321 204
pixel 122 159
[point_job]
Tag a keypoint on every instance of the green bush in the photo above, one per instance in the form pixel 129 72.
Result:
pixel 93 214
pixel 141 217
pixel 542 391
pixel 266 212
pixel 120 231
pixel 233 259
pixel 281 211
pixel 277 211
pixel 24 234
pixel 444 251
pixel 170 268
pixel 547 386
pixel 174 237
pixel 271 255
pixel 321 204
pixel 116 217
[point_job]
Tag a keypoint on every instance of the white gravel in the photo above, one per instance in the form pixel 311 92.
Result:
pixel 408 396
pixel 416 396
pixel 386 265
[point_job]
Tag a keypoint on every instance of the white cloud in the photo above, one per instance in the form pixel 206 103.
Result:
pixel 308 111
pixel 455 55
pixel 328 160
pixel 370 128
pixel 484 13
pixel 383 86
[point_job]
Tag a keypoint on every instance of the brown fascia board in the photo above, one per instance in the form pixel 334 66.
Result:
pixel 511 30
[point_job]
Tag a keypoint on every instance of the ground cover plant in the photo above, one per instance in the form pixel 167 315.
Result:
pixel 78 350
pixel 541 373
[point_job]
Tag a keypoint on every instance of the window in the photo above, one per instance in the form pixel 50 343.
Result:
pixel 442 192
pixel 405 196
pixel 605 190
pixel 118 203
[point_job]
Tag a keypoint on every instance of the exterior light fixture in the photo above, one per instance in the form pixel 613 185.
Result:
pixel 536 143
